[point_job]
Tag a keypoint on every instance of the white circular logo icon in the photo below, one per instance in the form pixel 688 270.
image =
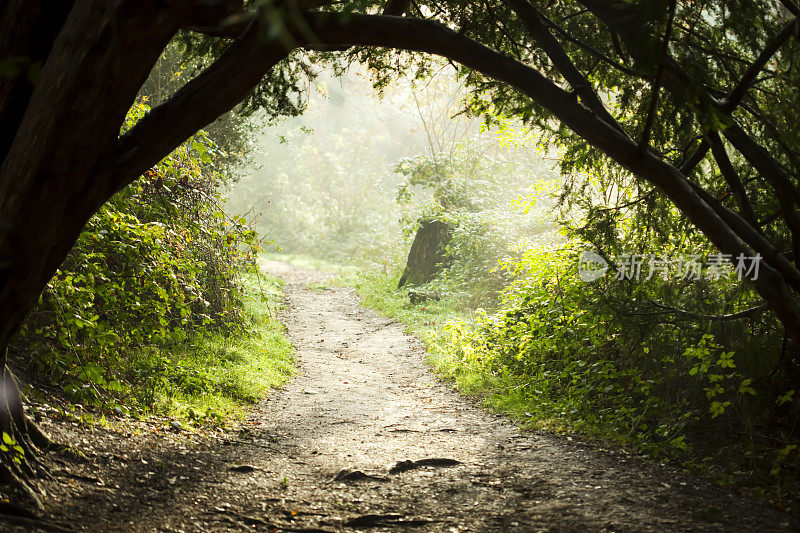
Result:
pixel 591 266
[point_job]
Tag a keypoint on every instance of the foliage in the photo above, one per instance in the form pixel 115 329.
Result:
pixel 475 190
pixel 562 354
pixel 159 267
pixel 10 448
pixel 324 184
pixel 232 134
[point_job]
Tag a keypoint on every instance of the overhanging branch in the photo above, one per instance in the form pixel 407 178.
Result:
pixel 534 24
pixel 198 103
pixel 221 86
pixel 228 19
pixel 746 313
pixel 757 66
pixel 733 180
pixel 628 20
pixel 218 18
pixel 644 142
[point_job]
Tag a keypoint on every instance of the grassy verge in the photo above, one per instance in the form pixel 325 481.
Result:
pixel 208 380
pixel 428 321
pixel 216 378
pixel 435 323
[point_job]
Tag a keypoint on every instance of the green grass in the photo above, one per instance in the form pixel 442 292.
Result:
pixel 433 322
pixel 214 380
pixel 429 321
pixel 379 291
pixel 208 380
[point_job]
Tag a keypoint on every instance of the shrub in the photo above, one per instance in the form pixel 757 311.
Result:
pixel 157 266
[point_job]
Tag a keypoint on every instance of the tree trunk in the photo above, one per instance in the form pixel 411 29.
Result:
pixel 54 171
pixel 23 440
pixel 427 255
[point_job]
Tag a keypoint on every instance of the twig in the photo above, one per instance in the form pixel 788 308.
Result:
pixel 645 141
pixel 732 316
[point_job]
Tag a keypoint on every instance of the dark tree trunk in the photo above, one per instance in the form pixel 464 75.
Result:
pixel 21 462
pixel 427 256
pixel 60 127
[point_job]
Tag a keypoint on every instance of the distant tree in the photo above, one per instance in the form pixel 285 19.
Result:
pixel 650 90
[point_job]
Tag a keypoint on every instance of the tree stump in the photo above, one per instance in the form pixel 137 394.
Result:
pixel 427 255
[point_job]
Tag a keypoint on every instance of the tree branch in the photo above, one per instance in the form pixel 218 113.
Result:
pixel 772 129
pixel 221 86
pixel 644 142
pixel 757 66
pixel 198 103
pixel 755 239
pixel 228 19
pixel 534 24
pixel 625 17
pixel 595 52
pixel 689 164
pixel 732 178
pixel 731 316
pixel 211 14
pixel 791 6
pixel 762 161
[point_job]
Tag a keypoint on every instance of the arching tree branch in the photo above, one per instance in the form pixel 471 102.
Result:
pixel 147 143
pixel 757 66
pixel 733 180
pixel 628 20
pixel 198 103
pixel 534 24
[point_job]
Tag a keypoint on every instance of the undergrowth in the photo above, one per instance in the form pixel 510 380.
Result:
pixel 557 356
pixel 159 307
pixel 216 377
pixel 208 381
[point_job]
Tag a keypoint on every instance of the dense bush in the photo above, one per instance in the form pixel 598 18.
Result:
pixel 607 358
pixel 157 266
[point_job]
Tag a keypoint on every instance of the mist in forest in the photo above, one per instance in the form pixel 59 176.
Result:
pixel 349 180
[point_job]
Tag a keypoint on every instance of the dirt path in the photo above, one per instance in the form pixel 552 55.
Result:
pixel 363 401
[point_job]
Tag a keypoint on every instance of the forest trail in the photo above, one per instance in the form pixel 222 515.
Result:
pixel 317 455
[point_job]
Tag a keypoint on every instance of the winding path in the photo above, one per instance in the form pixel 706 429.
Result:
pixel 318 454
